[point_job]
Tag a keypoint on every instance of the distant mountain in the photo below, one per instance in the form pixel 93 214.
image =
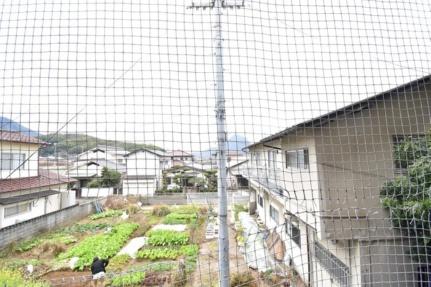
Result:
pixel 235 143
pixel 7 124
pixel 67 145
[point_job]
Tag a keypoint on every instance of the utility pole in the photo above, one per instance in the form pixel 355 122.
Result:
pixel 223 239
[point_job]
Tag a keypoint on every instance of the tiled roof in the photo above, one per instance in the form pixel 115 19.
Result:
pixel 178 153
pixel 10 136
pixel 44 179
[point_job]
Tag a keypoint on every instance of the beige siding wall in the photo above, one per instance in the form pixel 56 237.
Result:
pixel 355 158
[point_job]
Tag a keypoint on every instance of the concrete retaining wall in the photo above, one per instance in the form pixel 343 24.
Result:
pixel 28 228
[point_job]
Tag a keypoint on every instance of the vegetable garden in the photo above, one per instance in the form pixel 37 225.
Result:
pixel 70 250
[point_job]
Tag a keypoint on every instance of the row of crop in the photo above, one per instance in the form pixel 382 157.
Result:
pixel 157 253
pixel 167 237
pixel 104 245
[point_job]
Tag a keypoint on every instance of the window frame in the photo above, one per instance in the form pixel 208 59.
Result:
pixel 18 209
pixel 302 165
pixel 260 200
pixel 272 212
pixel 14 161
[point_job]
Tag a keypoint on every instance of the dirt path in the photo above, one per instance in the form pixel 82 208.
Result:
pixel 206 274
pixel 68 278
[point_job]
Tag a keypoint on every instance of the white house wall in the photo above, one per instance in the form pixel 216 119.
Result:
pixel 30 167
pixel 139 187
pixel 144 163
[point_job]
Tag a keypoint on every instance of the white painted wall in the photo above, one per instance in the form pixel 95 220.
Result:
pixel 139 187
pixel 30 167
pixel 97 192
pixel 144 163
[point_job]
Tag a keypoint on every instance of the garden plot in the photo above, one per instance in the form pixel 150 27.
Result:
pixel 144 248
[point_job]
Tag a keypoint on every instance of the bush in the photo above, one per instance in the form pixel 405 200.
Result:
pixel 243 279
pixel 237 208
pixel 132 209
pixel 167 237
pixel 161 210
pixel 128 279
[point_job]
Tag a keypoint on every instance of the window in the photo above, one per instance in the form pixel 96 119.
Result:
pixel 17 209
pixel 273 213
pixel 11 161
pixel 260 200
pixel 257 158
pixel 272 156
pixel 297 159
pixel 292 229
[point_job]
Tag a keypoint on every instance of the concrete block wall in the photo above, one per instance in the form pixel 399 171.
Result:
pixel 29 228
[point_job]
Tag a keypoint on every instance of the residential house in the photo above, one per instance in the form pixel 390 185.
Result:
pixel 103 152
pixel 144 171
pixel 178 157
pixel 88 171
pixel 26 191
pixel 317 185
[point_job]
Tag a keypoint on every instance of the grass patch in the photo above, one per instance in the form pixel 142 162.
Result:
pixel 180 218
pixel 105 214
pixel 15 278
pixel 119 261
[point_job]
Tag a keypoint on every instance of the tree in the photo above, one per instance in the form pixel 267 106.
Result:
pixel 211 177
pixel 408 197
pixel 110 178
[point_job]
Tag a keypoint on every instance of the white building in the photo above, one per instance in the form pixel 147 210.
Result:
pixel 26 191
pixel 102 152
pixel 317 185
pixel 144 169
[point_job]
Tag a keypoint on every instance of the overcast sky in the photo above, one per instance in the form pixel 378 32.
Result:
pixel 130 70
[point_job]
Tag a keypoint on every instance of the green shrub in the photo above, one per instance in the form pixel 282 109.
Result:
pixel 167 237
pixel 15 278
pixel 128 279
pixel 161 210
pixel 101 245
pixel 237 208
pixel 108 213
pixel 190 250
pixel 180 218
